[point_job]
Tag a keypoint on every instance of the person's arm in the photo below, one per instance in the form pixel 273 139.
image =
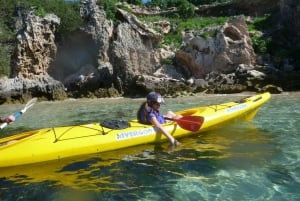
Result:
pixel 172 140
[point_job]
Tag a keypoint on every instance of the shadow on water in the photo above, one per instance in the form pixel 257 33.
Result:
pixel 153 171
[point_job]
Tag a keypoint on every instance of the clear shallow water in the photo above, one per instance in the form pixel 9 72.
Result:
pixel 257 160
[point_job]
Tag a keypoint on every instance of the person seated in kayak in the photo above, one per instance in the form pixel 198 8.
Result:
pixel 149 113
pixel 10 119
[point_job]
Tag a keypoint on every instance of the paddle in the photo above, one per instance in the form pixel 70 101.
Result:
pixel 191 123
pixel 28 105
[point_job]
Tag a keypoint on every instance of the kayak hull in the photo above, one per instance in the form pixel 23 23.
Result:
pixel 62 142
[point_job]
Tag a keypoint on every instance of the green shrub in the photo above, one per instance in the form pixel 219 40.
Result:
pixel 259 23
pixel 174 38
pixel 40 12
pixel 4 60
pixel 260 44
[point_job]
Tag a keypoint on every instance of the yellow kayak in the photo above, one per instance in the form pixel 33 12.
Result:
pixel 62 142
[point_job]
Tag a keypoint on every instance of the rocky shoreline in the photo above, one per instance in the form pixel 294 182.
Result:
pixel 108 60
pixel 141 98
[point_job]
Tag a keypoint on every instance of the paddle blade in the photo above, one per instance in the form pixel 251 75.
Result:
pixel 191 123
pixel 29 104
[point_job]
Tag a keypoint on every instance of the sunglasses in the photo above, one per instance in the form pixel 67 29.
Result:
pixel 155 103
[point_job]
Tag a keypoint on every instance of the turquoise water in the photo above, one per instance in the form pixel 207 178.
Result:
pixel 256 160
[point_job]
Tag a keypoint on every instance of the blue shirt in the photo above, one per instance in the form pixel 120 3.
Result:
pixel 150 114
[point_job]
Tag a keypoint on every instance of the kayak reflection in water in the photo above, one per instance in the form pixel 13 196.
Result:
pixel 149 113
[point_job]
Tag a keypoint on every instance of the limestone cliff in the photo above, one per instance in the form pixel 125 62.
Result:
pixel 35 47
pixel 223 53
pixel 104 59
pixel 34 51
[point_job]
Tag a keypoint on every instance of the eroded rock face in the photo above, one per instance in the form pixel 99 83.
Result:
pixel 35 47
pixel 137 59
pixel 34 51
pixel 130 52
pixel 98 26
pixel 106 59
pixel 223 53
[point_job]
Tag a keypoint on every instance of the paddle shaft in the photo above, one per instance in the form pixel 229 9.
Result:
pixel 19 114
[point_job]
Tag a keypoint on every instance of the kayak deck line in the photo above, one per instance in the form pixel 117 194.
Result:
pixel 224 106
pixel 48 144
pixel 88 126
pixel 57 139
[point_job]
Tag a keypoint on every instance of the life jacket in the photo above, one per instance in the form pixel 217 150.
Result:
pixel 146 113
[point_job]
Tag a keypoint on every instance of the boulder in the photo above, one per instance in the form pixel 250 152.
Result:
pixel 223 53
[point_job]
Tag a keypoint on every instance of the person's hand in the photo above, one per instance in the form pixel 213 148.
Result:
pixel 176 143
pixel 10 119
